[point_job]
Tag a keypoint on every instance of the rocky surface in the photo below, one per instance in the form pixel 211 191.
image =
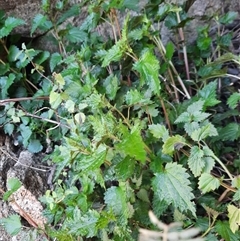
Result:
pixel 201 11
pixel 27 9
pixel 24 201
pixel 24 9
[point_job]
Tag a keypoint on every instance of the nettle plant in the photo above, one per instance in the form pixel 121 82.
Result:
pixel 131 137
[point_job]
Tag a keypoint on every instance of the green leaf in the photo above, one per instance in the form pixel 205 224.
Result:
pixel 131 4
pixel 236 196
pixel 75 35
pixel 90 22
pixel 9 128
pixel 59 80
pixel 13 53
pixel 152 110
pixel 234 217
pixel 13 184
pixel 133 97
pixel 34 146
pixel 79 118
pixel 171 20
pixel 83 224
pixel 114 54
pixel 225 40
pixel 135 34
pixel 133 145
pixel 191 127
pixel 211 237
pixel 105 219
pixel 195 161
pixel 208 183
pixel 40 21
pixel 42 57
pixel 207 151
pixel 159 207
pixel 206 71
pixel 125 168
pixel 172 143
pixel 233 100
pixel 209 93
pixel 4 68
pixel 9 25
pixel 163 9
pixel 223 229
pixel 199 116
pixel 73 11
pixel 116 200
pixel 228 17
pixel 203 132
pixel 12 224
pixel 111 86
pixel 5 83
pixel 230 132
pixel 55 99
pixel 236 182
pixel 209 164
pixel 195 107
pixel 70 106
pixel 55 59
pixel 185 117
pixel 204 43
pixel 94 161
pixel 169 50
pixel 173 187
pixel 26 133
pixel 141 212
pixel 148 66
pixel 143 195
pixel 159 131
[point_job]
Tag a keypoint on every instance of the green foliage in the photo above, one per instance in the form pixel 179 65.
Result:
pixel 172 186
pixel 208 183
pixel 9 24
pixel 12 224
pixel 148 67
pixel 233 100
pixel 225 232
pixel 113 110
pixel 13 184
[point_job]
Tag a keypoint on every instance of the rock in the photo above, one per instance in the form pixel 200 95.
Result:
pixel 25 200
pixel 24 9
pixel 27 9
pixel 201 11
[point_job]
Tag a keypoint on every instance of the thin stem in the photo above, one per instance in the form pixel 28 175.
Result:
pixel 163 52
pixel 184 47
pixel 3 102
pixel 223 166
pixel 45 119
pixel 123 117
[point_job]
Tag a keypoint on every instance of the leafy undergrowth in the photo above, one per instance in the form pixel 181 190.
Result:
pixel 131 125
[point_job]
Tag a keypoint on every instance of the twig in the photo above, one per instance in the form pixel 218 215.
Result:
pixel 3 102
pixel 44 119
pixel 163 52
pixel 16 160
pixel 181 34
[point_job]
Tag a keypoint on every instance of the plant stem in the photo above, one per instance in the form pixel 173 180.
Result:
pixel 223 166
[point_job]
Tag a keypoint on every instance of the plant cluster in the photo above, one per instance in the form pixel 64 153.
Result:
pixel 134 125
